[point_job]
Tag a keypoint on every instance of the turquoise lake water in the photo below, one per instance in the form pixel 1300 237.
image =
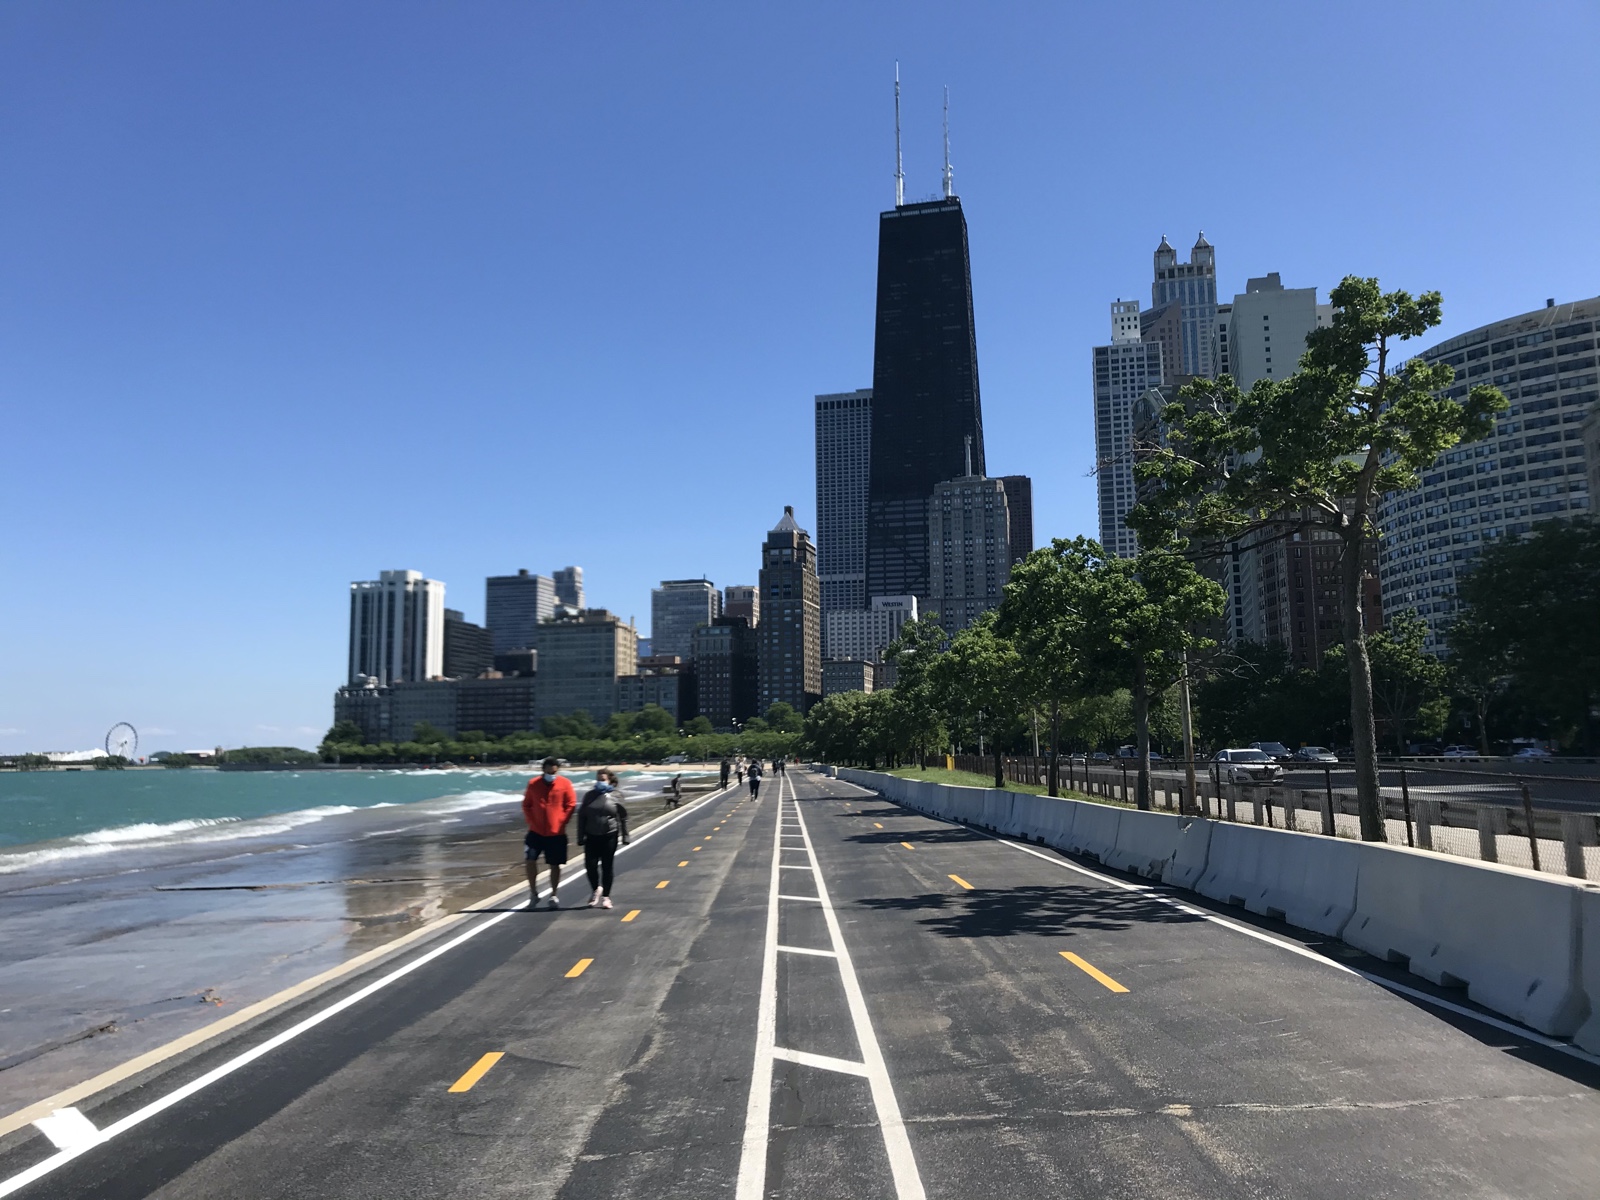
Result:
pixel 51 815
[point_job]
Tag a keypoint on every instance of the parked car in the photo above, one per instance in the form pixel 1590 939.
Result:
pixel 1277 750
pixel 1532 752
pixel 1131 752
pixel 1315 754
pixel 1461 752
pixel 1249 765
pixel 1099 756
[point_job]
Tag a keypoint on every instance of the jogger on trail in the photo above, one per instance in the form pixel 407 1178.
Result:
pixel 602 824
pixel 546 805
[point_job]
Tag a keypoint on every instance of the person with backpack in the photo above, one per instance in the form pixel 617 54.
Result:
pixel 755 779
pixel 675 792
pixel 602 824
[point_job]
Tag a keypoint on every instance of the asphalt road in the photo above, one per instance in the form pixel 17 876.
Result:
pixel 829 996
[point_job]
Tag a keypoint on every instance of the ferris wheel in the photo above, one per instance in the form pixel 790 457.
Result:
pixel 122 741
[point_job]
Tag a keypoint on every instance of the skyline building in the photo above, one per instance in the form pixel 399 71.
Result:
pixel 1019 511
pixel 1531 469
pixel 581 656
pixel 1193 287
pixel 514 606
pixel 969 541
pixel 843 448
pixel 468 648
pixel 925 395
pixel 568 583
pixel 742 600
pixel 862 635
pixel 677 608
pixel 726 662
pixel 1123 372
pixel 789 638
pixel 1264 313
pixel 397 628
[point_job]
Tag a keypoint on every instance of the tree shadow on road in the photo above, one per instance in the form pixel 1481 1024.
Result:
pixel 940 835
pixel 1031 911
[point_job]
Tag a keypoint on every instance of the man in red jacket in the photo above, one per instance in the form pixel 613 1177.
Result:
pixel 546 805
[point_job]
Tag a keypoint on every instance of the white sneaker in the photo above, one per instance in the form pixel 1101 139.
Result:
pixel 594 900
pixel 555 901
pixel 605 901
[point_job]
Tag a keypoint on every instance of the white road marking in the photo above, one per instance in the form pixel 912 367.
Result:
pixel 807 950
pixel 66 1154
pixel 753 1154
pixel 67 1128
pixel 823 1062
pixel 1391 985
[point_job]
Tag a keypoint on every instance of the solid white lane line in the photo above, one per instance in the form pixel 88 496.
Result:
pixel 812 899
pixel 825 1062
pixel 752 1179
pixel 902 1163
pixel 67 1128
pixel 807 950
pixel 139 1116
pixel 794 866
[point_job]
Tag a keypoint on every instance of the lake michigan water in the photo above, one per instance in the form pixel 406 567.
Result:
pixel 54 816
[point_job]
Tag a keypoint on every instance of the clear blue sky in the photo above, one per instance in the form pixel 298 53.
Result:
pixel 294 292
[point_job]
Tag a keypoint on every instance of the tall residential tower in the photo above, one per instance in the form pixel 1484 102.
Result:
pixel 844 447
pixel 789 638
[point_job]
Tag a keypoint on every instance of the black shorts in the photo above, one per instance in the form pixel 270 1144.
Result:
pixel 554 848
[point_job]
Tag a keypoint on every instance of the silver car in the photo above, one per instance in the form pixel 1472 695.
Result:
pixel 1315 754
pixel 1248 766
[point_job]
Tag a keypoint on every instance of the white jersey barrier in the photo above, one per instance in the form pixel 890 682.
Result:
pixel 1523 944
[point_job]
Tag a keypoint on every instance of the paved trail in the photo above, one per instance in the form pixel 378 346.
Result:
pixel 822 995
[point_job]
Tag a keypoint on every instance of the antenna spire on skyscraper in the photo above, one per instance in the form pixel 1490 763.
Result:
pixel 899 172
pixel 949 175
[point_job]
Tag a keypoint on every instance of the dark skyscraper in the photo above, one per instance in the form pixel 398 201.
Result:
pixel 789 638
pixel 925 400
pixel 1019 511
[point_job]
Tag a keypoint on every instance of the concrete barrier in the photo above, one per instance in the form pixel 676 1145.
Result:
pixel 1094 830
pixel 1588 1034
pixel 1305 879
pixel 1513 937
pixel 1189 856
pixel 996 814
pixel 1146 842
pixel 1029 816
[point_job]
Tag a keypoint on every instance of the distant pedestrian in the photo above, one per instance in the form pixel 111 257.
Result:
pixel 739 770
pixel 755 779
pixel 546 806
pixel 727 769
pixel 602 824
pixel 675 792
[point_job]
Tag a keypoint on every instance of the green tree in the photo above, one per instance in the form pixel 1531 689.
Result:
pixel 1141 614
pixel 1319 451
pixel 1532 625
pixel 916 721
pixel 653 719
pixel 177 761
pixel 981 686
pixel 572 725
pixel 346 733
pixel 696 726
pixel 783 718
pixel 1042 612
pixel 1408 683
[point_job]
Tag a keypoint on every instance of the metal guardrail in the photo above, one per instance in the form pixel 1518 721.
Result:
pixel 1518 820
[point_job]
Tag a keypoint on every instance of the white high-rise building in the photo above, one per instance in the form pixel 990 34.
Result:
pixel 1266 329
pixel 397 628
pixel 1123 372
pixel 862 635
pixel 844 454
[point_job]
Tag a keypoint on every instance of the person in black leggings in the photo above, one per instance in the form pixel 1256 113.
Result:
pixel 602 824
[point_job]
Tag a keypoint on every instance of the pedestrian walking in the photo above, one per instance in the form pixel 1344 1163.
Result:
pixel 727 769
pixel 739 770
pixel 547 803
pixel 602 824
pixel 675 792
pixel 755 779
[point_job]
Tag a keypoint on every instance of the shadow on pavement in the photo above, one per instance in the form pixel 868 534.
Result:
pixel 937 836
pixel 1032 911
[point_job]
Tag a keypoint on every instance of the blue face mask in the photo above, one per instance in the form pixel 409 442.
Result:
pixel 601 785
pixel 549 777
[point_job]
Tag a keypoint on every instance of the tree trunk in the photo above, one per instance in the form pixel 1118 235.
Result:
pixel 1481 703
pixel 999 766
pixel 1191 798
pixel 1141 731
pixel 1363 733
pixel 1055 746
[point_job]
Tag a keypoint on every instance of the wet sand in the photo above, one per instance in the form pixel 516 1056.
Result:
pixel 103 959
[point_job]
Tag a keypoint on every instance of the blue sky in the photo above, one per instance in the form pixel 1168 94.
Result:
pixel 293 293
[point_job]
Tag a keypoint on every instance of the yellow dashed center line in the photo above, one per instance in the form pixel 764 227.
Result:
pixel 634 913
pixel 684 863
pixel 1093 971
pixel 908 845
pixel 579 968
pixel 478 1070
pixel 697 847
pixel 963 883
pixel 662 884
pixel 878 824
